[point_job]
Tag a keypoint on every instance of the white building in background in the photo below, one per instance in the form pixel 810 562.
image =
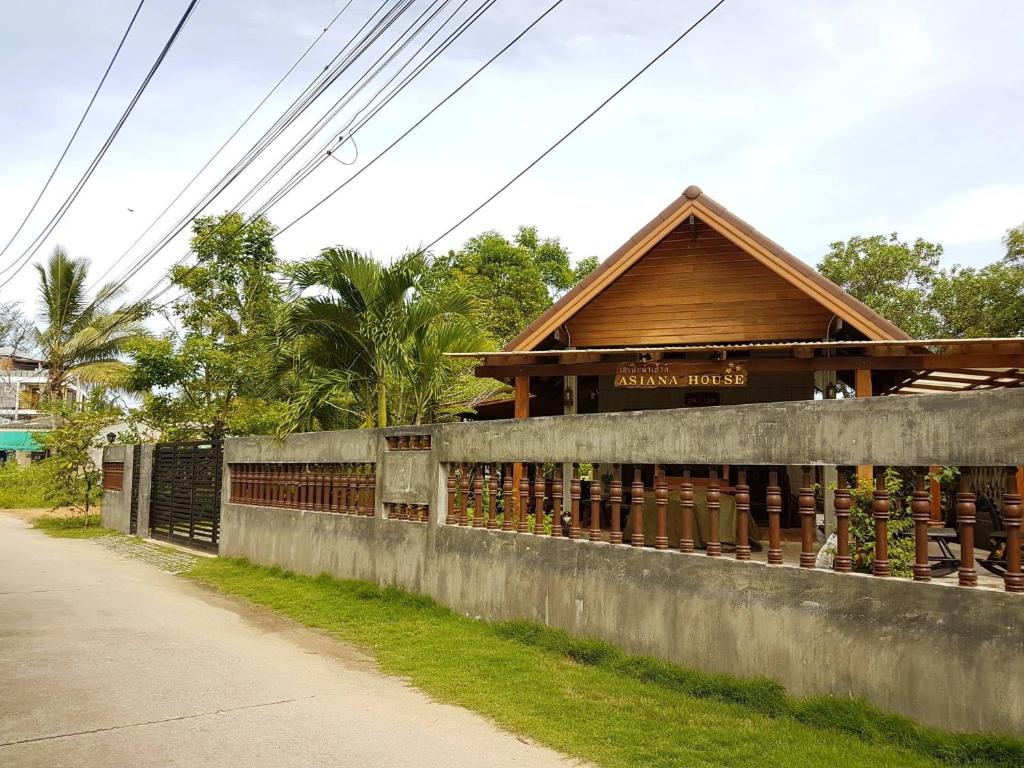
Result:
pixel 22 385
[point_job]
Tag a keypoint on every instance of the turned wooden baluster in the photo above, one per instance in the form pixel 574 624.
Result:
pixel 615 502
pixel 805 507
pixel 575 491
pixel 880 511
pixel 492 497
pixel 357 474
pixel 1013 516
pixel 920 513
pixel 661 507
pixel 271 476
pixel 843 502
pixel 303 474
pixel 636 509
pixel 318 487
pixel 463 504
pixel 507 504
pixel 966 517
pixel 524 500
pixel 713 496
pixel 452 517
pixel 773 503
pixel 686 511
pixel 479 518
pixel 538 500
pixel 245 478
pixel 557 489
pixel 371 489
pixel 346 489
pixel 595 508
pixel 742 513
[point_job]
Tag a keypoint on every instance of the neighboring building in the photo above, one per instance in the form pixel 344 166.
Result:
pixel 22 385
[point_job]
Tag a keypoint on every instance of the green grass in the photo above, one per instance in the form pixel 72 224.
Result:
pixel 591 700
pixel 72 526
pixel 25 487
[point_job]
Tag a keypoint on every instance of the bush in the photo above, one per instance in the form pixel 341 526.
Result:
pixel 26 487
pixel 901 526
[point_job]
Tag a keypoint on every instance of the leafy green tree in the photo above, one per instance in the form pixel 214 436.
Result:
pixel 16 330
pixel 209 376
pixel 83 337
pixel 892 277
pixel 983 302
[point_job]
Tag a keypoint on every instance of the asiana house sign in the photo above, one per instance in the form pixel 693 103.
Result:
pixel 653 375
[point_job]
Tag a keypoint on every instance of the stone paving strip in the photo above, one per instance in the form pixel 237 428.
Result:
pixel 164 558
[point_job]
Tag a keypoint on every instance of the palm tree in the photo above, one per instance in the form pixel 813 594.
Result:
pixel 83 338
pixel 359 325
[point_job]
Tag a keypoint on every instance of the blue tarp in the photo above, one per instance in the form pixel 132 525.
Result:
pixel 18 440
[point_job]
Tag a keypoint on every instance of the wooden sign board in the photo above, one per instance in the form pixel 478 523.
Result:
pixel 654 375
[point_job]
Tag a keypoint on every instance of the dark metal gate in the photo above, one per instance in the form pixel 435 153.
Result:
pixel 133 520
pixel 184 505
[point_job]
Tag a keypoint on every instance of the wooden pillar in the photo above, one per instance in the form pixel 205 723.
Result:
pixel 636 493
pixel 742 513
pixel 575 491
pixel 880 511
pixel 714 514
pixel 774 505
pixel 524 499
pixel 921 514
pixel 615 502
pixel 806 509
pixel 556 503
pixel 862 388
pixel 966 517
pixel 492 496
pixel 479 519
pixel 843 501
pixel 935 503
pixel 508 505
pixel 595 506
pixel 538 500
pixel 686 510
pixel 661 507
pixel 1012 518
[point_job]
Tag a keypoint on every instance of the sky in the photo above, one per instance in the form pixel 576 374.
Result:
pixel 815 121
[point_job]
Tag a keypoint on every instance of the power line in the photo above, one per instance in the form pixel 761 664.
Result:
pixel 576 127
pixel 55 220
pixel 78 127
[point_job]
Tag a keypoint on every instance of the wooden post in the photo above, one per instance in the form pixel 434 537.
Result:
pixel 661 507
pixel 843 501
pixel 773 502
pixel 575 491
pixel 742 513
pixel 453 517
pixel 615 503
pixel 479 518
pixel 880 511
pixel 966 517
pixel 1012 518
pixel 636 494
pixel 862 388
pixel 714 509
pixel 921 514
pixel 508 494
pixel 492 496
pixel 522 411
pixel 805 507
pixel 538 500
pixel 464 494
pixel 595 507
pixel 556 502
pixel 371 489
pixel 935 504
pixel 686 509
pixel 524 499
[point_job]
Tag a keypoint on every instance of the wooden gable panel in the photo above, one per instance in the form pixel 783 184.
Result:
pixel 690 289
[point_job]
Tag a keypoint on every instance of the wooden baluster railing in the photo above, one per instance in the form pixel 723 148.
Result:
pixel 244 480
pixel 615 503
pixel 920 513
pixel 843 502
pixel 661 508
pixel 557 489
pixel 360 483
pixel 1013 516
pixel 595 507
pixel 524 498
pixel 303 478
pixel 713 496
pixel 575 492
pixel 773 504
pixel 538 500
pixel 492 496
pixel 636 509
pixel 479 518
pixel 806 508
pixel 337 489
pixel 880 511
pixel 507 504
pixel 464 494
pixel 966 517
pixel 453 516
pixel 742 515
pixel 271 482
pixel 686 543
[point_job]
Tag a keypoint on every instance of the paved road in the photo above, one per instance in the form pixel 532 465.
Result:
pixel 110 662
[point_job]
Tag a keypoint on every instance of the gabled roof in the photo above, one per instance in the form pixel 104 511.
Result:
pixel 771 254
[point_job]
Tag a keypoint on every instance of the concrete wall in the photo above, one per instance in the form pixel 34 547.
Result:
pixel 116 510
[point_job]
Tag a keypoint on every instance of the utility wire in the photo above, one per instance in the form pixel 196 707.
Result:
pixel 55 220
pixel 575 128
pixel 78 127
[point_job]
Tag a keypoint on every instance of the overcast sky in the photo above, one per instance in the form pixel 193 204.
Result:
pixel 814 121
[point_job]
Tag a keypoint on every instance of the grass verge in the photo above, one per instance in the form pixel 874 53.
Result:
pixel 591 700
pixel 72 526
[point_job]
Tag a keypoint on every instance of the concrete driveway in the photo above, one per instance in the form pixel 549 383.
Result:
pixel 106 661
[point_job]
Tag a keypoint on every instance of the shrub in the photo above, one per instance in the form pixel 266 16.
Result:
pixel 25 487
